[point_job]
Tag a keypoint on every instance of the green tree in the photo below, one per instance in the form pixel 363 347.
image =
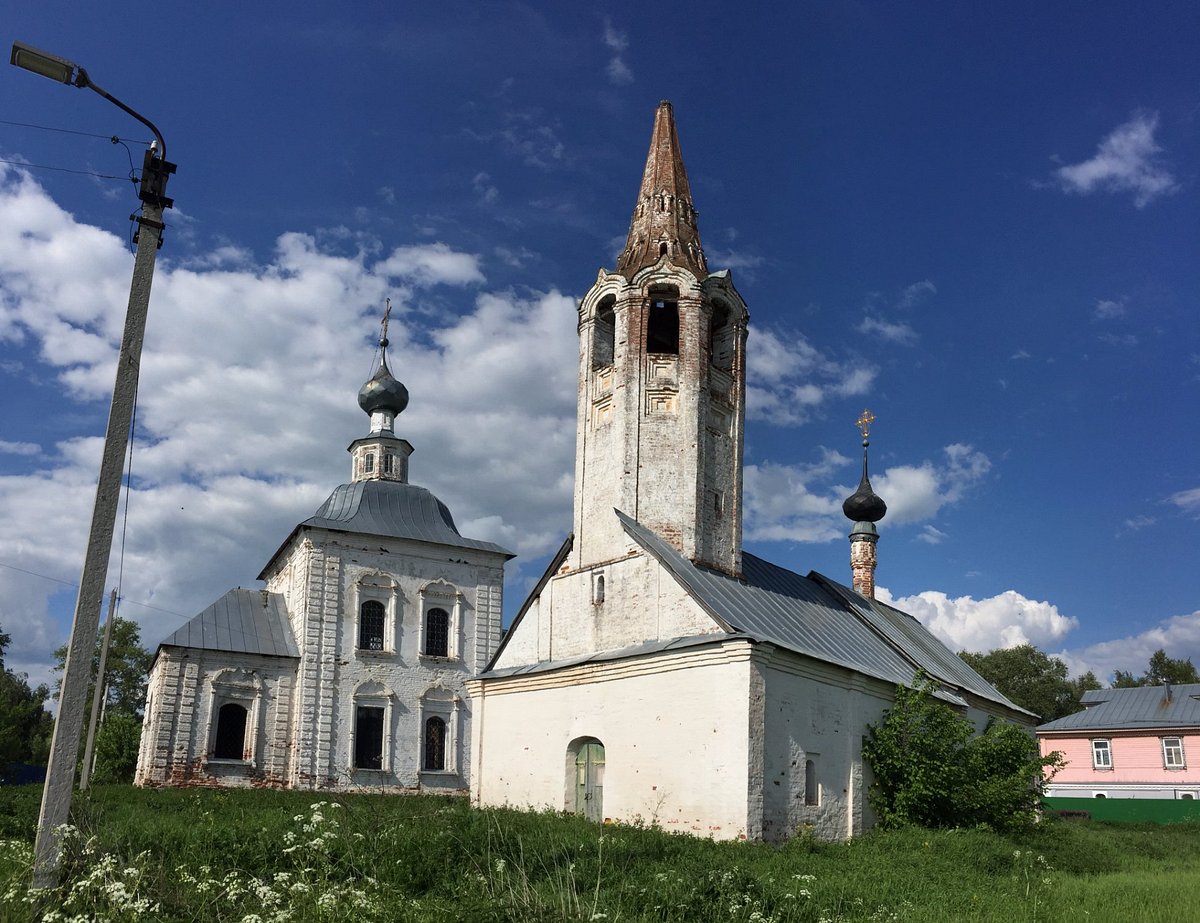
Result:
pixel 930 768
pixel 25 725
pixel 1032 679
pixel 1161 670
pixel 125 670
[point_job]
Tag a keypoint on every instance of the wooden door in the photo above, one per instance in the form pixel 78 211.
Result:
pixel 589 781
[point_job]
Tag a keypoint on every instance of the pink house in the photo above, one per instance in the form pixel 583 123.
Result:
pixel 1129 743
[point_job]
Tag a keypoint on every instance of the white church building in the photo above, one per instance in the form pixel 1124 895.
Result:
pixel 658 672
pixel 348 669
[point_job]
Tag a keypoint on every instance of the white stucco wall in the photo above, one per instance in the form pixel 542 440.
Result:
pixel 642 602
pixel 675 729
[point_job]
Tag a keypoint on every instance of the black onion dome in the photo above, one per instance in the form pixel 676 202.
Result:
pixel 383 392
pixel 864 505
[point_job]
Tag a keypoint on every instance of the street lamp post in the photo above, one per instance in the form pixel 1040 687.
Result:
pixel 64 747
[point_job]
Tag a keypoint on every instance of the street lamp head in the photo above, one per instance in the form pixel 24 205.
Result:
pixel 48 65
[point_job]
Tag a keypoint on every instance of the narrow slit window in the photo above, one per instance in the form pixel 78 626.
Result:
pixel 812 788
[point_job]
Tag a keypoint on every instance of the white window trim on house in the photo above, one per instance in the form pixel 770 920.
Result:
pixel 1173 755
pixel 372 695
pixel 235 686
pixel 440 703
pixel 378 587
pixel 442 595
pixel 1102 755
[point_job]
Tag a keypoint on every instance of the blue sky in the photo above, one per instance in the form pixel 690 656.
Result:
pixel 979 221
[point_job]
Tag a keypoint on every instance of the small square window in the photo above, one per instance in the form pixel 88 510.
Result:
pixel 1102 754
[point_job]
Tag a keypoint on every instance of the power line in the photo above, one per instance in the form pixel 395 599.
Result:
pixel 70 131
pixel 42 166
pixel 128 602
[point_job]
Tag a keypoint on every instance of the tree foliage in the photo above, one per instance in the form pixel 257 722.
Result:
pixel 1161 670
pixel 1033 679
pixel 25 725
pixel 931 769
pixel 125 670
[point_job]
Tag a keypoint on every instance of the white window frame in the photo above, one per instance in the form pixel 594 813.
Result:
pixel 442 595
pixel 235 686
pixel 439 703
pixel 377 587
pixel 372 695
pixel 1170 762
pixel 1102 756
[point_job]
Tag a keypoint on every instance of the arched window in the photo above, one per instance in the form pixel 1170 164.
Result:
pixel 231 732
pixel 437 633
pixel 371 619
pixel 812 790
pixel 604 333
pixel 369 462
pixel 598 590
pixel 435 744
pixel 662 325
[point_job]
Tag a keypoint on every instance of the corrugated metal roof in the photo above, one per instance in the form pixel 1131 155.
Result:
pixel 242 621
pixel 634 650
pixel 1130 709
pixel 817 617
pixel 394 510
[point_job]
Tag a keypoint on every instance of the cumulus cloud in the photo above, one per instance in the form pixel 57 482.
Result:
pixel 1107 309
pixel 790 379
pixel 616 42
pixel 916 293
pixel 19 448
pixel 247 402
pixel 1179 636
pixel 1125 161
pixel 931 535
pixel 965 623
pixel 917 492
pixel 803 502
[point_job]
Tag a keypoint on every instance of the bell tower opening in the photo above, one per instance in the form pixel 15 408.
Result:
pixel 662 321
pixel 604 333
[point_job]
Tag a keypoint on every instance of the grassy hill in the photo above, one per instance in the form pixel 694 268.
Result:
pixel 259 856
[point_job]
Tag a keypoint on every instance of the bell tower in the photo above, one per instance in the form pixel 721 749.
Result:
pixel 662 384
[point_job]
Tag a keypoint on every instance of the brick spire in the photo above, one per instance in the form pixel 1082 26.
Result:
pixel 664 220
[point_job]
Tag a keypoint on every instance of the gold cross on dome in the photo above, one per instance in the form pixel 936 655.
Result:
pixel 864 423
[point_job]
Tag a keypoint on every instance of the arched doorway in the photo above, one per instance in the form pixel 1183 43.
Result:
pixel 588 778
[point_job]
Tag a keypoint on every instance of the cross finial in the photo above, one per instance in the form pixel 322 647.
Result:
pixel 864 423
pixel 383 337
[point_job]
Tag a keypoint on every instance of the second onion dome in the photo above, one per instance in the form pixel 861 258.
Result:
pixel 864 505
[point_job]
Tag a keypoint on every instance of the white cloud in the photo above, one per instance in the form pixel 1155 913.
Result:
pixel 916 293
pixel 487 193
pixel 19 448
pixel 1125 161
pixel 802 503
pixel 1179 636
pixel 247 402
pixel 899 332
pixel 1021 354
pixel 917 492
pixel 1187 500
pixel 431 264
pixel 1107 309
pixel 789 378
pixel 616 42
pixel 931 535
pixel 965 623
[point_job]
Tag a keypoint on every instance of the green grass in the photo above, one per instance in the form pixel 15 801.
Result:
pixel 266 855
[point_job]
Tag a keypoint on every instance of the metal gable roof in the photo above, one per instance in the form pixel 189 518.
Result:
pixel 242 621
pixel 819 618
pixel 1141 707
